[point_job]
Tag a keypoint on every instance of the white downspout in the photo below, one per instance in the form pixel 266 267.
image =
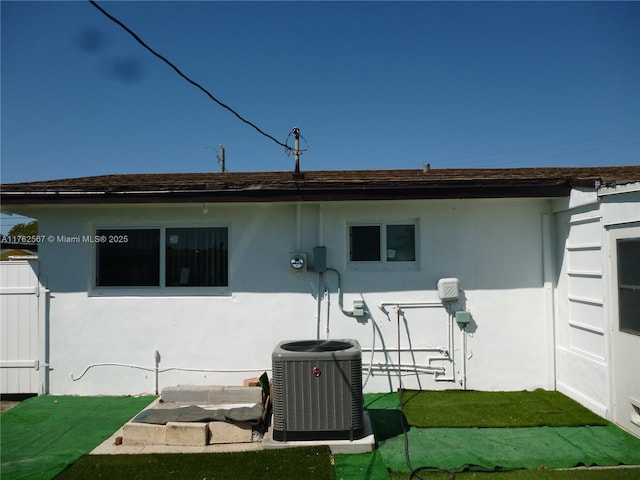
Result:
pixel 548 266
pixel 321 225
pixel 321 287
pixel 298 227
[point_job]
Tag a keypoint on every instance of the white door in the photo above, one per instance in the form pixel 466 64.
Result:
pixel 625 326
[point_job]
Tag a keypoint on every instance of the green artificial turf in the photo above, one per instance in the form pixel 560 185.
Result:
pixel 571 436
pixel 282 464
pixel 464 408
pixel 512 448
pixel 575 474
pixel 42 435
pixel 381 401
pixel 362 466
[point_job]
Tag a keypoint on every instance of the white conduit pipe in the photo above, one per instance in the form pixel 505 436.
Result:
pixel 326 291
pixel 319 303
pixel 464 359
pixel 430 304
pixel 413 368
pixel 110 364
pixel 322 288
pixel 373 351
pixel 298 226
pixel 417 368
pixel 163 370
pixel 441 350
pixel 211 370
pixel 409 368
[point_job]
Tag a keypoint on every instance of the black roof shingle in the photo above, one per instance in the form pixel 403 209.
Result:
pixel 317 185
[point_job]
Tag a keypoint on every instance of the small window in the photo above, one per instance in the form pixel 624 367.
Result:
pixel 629 285
pixel 128 258
pixel 196 257
pixel 383 244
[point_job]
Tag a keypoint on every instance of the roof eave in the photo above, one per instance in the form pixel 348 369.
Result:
pixel 555 188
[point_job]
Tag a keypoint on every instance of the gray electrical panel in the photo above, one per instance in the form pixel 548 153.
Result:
pixel 320 259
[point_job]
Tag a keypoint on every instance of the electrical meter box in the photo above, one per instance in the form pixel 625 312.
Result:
pixel 298 261
pixel 449 289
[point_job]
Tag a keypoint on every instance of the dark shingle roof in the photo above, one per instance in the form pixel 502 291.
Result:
pixel 317 185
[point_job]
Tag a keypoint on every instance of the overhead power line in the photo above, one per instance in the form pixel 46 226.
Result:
pixel 179 72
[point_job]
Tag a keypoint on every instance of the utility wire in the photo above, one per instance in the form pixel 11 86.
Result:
pixel 177 70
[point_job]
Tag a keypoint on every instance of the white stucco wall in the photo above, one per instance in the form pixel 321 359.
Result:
pixel 495 248
pixel 586 322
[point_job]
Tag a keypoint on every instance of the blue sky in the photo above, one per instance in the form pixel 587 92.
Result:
pixel 370 84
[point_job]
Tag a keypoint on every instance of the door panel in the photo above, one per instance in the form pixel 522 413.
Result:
pixel 625 327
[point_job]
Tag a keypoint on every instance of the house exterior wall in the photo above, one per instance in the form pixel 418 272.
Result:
pixel 107 344
pixel 588 356
pixel 582 358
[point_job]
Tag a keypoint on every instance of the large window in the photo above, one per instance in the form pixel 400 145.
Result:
pixel 382 243
pixel 629 285
pixel 162 257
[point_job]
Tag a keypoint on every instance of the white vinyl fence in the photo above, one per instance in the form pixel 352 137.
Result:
pixel 23 329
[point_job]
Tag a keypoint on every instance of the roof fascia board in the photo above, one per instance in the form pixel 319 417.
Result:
pixel 269 195
pixel 606 190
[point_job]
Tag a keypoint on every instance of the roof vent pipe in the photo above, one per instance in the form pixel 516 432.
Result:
pixel 426 168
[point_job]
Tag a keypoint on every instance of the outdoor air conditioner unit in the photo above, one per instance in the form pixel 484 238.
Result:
pixel 317 390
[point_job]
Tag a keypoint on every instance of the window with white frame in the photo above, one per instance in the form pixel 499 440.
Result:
pixel 383 243
pixel 629 285
pixel 162 257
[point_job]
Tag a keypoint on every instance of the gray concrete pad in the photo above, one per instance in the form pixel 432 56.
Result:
pixel 140 438
pixel 211 394
pixel 362 445
pixel 365 444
